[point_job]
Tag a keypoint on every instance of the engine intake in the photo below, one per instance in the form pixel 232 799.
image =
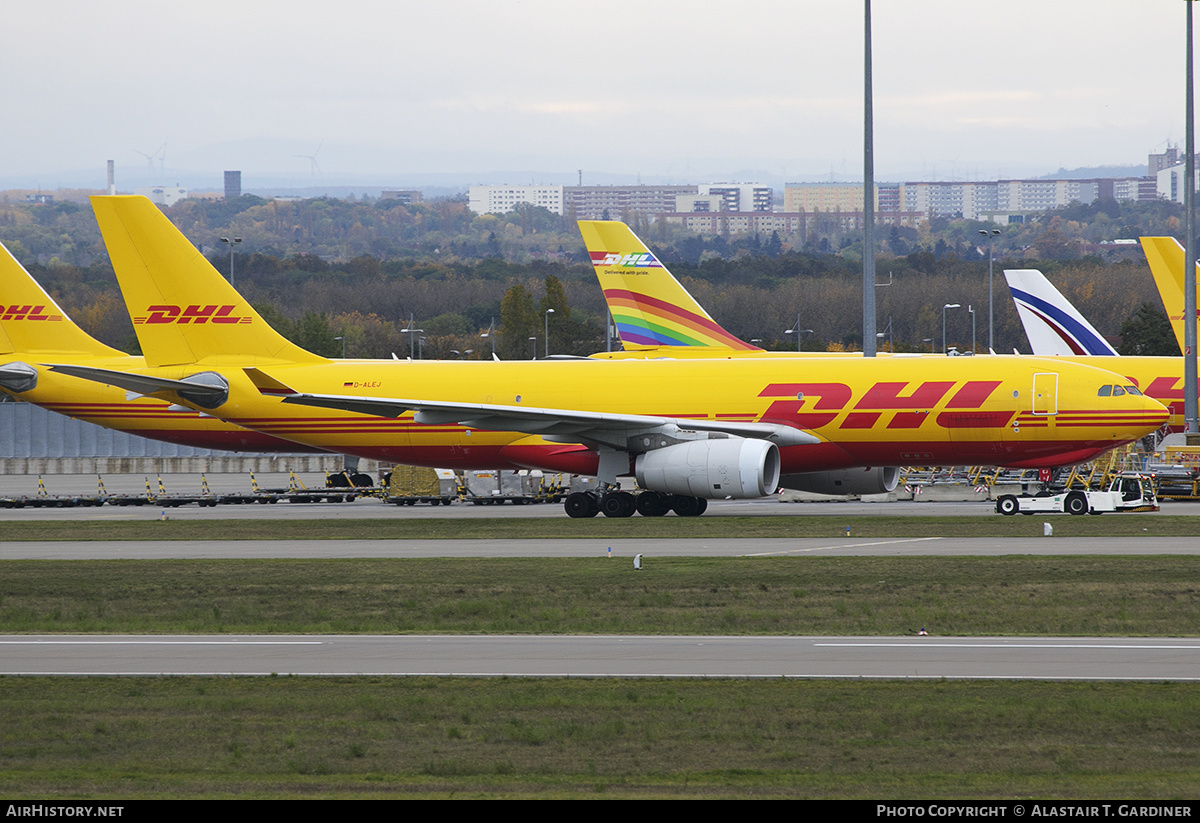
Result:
pixel 714 469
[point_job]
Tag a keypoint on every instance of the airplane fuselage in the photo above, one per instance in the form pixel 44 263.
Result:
pixel 1012 411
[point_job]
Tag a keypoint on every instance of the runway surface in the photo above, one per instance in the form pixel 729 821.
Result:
pixel 648 548
pixel 607 656
pixel 716 657
pixel 364 508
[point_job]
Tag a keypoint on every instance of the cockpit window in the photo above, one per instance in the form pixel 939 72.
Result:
pixel 1118 391
pixel 1133 390
pixel 1105 391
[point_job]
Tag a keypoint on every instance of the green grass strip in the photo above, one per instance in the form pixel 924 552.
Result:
pixel 792 595
pixel 800 525
pixel 418 737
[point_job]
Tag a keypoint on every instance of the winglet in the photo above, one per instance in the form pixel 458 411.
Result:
pixel 1052 324
pixel 32 323
pixel 1167 260
pixel 649 306
pixel 183 310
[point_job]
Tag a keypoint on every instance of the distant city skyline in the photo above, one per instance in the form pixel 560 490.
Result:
pixel 367 92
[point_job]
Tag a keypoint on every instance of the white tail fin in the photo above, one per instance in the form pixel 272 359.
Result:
pixel 1052 324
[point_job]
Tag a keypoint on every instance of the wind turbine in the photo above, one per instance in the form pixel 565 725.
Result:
pixel 313 167
pixel 150 160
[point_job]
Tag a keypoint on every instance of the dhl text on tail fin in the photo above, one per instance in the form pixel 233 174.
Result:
pixel 169 287
pixel 32 323
pixel 35 331
pixel 650 307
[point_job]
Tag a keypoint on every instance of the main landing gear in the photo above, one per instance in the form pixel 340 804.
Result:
pixel 624 504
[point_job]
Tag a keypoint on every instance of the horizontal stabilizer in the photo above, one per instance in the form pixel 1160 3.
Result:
pixel 206 389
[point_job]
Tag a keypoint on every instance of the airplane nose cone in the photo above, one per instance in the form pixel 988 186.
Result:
pixel 1156 413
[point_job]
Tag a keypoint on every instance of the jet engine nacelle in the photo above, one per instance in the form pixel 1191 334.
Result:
pixel 714 469
pixel 844 481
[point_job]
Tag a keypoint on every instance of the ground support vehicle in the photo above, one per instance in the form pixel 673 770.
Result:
pixel 410 485
pixel 1177 482
pixel 44 499
pixel 495 487
pixel 297 492
pixel 1128 492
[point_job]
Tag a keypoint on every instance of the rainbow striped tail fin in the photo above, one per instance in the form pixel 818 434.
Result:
pixel 650 307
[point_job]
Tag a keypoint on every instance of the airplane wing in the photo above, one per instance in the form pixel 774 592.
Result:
pixel 564 425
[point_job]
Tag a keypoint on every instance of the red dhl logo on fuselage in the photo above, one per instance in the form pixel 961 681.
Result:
pixel 191 314
pixel 26 313
pixel 964 409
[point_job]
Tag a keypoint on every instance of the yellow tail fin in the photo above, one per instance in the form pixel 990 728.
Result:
pixel 31 322
pixel 183 310
pixel 650 307
pixel 1167 260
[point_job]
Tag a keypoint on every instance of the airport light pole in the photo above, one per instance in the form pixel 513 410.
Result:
pixel 887 333
pixel 799 332
pixel 930 341
pixel 491 333
pixel 547 337
pixel 947 306
pixel 1191 381
pixel 412 333
pixel 990 235
pixel 971 311
pixel 343 339
pixel 232 241
pixel 868 191
pixel 533 340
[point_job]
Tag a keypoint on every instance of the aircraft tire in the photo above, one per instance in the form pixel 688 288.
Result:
pixel 1008 505
pixel 618 504
pixel 689 506
pixel 580 504
pixel 652 504
pixel 1076 503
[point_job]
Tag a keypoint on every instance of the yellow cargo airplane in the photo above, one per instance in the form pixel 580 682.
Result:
pixel 656 316
pixel 690 430
pixel 34 329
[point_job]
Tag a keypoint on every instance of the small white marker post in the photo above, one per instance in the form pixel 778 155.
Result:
pixel 1047 530
pixel 637 562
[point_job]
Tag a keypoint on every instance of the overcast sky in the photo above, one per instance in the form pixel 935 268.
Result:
pixel 668 89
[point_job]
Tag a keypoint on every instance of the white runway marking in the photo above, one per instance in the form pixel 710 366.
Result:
pixel 934 644
pixel 845 546
pixel 161 643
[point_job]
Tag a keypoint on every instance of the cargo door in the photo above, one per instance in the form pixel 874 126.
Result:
pixel 1045 393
